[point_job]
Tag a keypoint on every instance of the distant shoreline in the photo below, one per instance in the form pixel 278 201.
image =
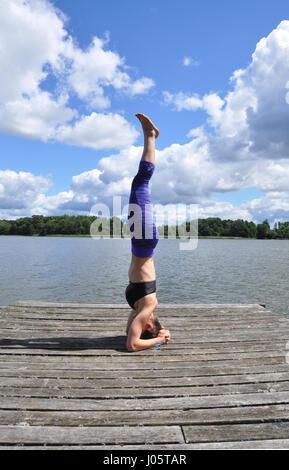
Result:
pixel 123 238
pixel 81 226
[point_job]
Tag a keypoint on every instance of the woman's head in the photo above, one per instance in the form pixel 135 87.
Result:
pixel 153 327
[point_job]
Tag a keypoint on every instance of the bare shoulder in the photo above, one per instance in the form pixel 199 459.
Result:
pixel 130 319
pixel 144 308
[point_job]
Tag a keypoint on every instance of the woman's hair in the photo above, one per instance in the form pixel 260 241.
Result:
pixel 148 334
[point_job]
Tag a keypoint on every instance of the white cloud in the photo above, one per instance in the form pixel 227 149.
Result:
pixel 274 207
pixel 25 49
pixel 223 210
pixel 189 61
pixel 120 165
pixel 92 69
pixel 96 68
pixel 20 190
pixel 35 117
pixel 98 131
pixel 182 101
pixel 141 86
pixel 52 205
pixel 35 48
pixel 26 110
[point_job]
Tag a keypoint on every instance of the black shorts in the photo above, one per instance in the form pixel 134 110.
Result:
pixel 138 290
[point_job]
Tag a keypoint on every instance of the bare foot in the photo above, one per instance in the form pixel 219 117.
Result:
pixel 148 127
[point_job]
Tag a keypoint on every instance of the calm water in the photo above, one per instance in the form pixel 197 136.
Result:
pixel 89 270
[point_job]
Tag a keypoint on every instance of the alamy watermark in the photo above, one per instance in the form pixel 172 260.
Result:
pixel 179 221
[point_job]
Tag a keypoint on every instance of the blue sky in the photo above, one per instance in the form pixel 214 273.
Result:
pixel 223 142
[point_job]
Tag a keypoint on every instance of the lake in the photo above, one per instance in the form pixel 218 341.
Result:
pixel 73 269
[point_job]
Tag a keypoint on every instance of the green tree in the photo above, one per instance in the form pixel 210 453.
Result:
pixel 263 229
pixel 5 226
pixel 216 225
pixel 239 229
pixel 204 228
pixel 252 229
pixel 226 228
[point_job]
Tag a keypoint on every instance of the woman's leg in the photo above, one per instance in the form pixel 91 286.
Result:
pixel 151 133
pixel 144 247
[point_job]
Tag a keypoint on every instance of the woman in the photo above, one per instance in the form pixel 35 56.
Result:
pixel 143 328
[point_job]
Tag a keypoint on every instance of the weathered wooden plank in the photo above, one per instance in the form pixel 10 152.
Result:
pixel 124 306
pixel 193 322
pixel 250 445
pixel 207 311
pixel 90 435
pixel 24 312
pixel 108 316
pixel 202 416
pixel 116 362
pixel 88 346
pixel 90 349
pixel 130 368
pixel 218 328
pixel 117 382
pixel 177 310
pixel 177 338
pixel 236 432
pixel 204 371
pixel 199 334
pixel 113 315
pixel 232 335
pixel 135 404
pixel 165 355
pixel 20 339
pixel 272 444
pixel 41 304
pixel 61 391
pixel 38 303
pixel 117 323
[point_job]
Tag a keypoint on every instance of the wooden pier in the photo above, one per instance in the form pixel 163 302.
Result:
pixel 67 381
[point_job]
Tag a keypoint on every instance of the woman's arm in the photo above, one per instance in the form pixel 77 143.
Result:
pixel 134 341
pixel 141 344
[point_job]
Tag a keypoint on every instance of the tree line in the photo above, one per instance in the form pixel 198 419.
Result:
pixel 39 225
pixel 214 226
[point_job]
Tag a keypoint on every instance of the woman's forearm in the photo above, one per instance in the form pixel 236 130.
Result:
pixel 141 344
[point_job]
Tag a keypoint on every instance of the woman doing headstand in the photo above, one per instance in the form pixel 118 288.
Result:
pixel 143 327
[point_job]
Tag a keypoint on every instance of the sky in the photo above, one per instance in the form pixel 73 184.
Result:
pixel 213 76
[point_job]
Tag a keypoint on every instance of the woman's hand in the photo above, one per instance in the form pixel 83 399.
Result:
pixel 164 335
